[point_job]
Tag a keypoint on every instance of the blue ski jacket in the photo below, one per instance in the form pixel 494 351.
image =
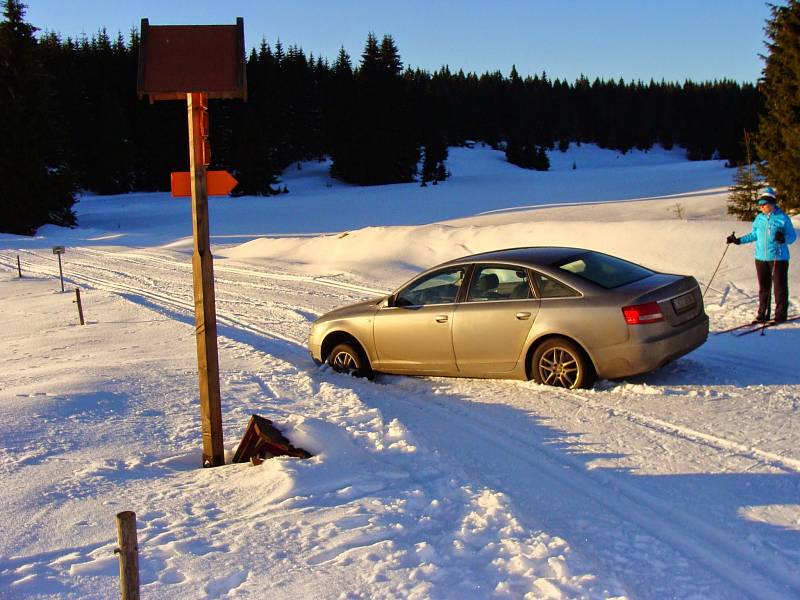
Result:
pixel 763 234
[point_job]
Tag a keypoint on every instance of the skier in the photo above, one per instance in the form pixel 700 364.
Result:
pixel 772 232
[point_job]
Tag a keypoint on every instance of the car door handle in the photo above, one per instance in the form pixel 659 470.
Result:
pixel 441 319
pixel 523 315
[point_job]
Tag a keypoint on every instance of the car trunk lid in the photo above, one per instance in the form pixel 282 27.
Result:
pixel 677 296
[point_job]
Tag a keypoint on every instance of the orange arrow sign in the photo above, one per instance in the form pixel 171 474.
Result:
pixel 220 183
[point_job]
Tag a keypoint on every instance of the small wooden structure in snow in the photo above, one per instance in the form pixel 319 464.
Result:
pixel 263 440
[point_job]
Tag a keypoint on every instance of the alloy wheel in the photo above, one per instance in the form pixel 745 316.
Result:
pixel 559 367
pixel 344 362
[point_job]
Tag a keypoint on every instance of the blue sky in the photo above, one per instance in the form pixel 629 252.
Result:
pixel 633 39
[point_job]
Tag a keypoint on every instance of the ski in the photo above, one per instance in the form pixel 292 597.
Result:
pixel 751 324
pixel 767 325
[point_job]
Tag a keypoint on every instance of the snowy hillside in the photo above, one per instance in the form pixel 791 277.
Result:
pixel 683 483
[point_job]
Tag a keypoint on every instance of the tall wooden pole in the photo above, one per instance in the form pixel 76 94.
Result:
pixel 203 270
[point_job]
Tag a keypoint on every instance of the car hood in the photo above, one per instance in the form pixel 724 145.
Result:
pixel 365 308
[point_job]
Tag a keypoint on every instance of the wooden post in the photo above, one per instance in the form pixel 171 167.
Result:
pixel 128 552
pixel 176 62
pixel 78 301
pixel 19 267
pixel 60 273
pixel 203 276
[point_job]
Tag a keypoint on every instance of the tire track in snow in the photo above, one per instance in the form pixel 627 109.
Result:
pixel 688 534
pixel 692 435
pixel 652 423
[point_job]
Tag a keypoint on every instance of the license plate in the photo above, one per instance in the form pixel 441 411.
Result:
pixel 683 303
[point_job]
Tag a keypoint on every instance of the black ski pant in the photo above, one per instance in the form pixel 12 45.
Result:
pixel 773 274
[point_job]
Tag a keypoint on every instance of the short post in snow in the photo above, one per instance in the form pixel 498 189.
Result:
pixel 128 553
pixel 80 306
pixel 19 267
pixel 59 250
pixel 194 63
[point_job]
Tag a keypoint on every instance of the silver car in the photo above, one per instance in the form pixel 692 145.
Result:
pixel 562 316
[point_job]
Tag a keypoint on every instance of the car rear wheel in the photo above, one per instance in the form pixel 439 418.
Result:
pixel 348 358
pixel 561 363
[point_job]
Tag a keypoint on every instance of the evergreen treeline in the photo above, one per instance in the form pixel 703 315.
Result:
pixel 36 185
pixel 778 139
pixel 377 120
pixel 373 119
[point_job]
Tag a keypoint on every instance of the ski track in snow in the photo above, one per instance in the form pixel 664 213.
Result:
pixel 656 529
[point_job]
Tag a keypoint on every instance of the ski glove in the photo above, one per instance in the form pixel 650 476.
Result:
pixel 779 237
pixel 732 239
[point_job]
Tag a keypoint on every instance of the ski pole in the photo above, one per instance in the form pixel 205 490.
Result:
pixel 718 264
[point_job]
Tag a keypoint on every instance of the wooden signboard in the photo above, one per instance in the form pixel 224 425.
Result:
pixel 177 59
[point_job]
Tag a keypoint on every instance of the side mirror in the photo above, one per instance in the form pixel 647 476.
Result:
pixel 387 302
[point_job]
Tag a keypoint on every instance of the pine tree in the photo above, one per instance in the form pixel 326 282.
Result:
pixel 35 183
pixel 742 195
pixel 433 164
pixel 385 149
pixel 524 153
pixel 341 114
pixel 541 161
pixel 779 128
pixel 747 183
pixel 256 143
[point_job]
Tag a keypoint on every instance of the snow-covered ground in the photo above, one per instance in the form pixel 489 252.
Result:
pixel 680 483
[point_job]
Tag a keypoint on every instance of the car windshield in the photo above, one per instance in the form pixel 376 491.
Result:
pixel 440 287
pixel 606 271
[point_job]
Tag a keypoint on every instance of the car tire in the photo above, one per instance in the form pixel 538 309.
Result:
pixel 561 363
pixel 349 358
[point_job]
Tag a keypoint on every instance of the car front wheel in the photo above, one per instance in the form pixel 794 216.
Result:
pixel 347 358
pixel 559 362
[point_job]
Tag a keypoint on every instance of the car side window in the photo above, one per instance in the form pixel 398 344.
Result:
pixel 440 287
pixel 498 283
pixel 552 288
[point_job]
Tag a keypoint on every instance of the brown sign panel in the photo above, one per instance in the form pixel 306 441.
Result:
pixel 178 59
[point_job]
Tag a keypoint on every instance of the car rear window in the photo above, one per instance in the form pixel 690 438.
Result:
pixel 604 270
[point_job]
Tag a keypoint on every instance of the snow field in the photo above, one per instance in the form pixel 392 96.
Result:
pixel 371 497
pixel 679 483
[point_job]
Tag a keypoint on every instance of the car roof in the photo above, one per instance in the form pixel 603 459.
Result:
pixel 532 255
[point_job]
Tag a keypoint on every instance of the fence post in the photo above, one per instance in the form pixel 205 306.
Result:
pixel 128 552
pixel 61 273
pixel 19 267
pixel 78 301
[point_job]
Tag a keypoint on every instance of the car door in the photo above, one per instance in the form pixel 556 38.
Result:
pixel 413 333
pixel 492 323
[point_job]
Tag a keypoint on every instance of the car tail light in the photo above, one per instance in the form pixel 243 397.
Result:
pixel 639 314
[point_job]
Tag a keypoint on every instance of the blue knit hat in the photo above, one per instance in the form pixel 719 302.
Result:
pixel 767 196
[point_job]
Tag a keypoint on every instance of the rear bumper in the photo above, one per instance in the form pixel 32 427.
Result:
pixel 633 358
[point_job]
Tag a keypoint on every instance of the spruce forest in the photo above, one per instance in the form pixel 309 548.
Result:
pixel 378 120
pixel 375 119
